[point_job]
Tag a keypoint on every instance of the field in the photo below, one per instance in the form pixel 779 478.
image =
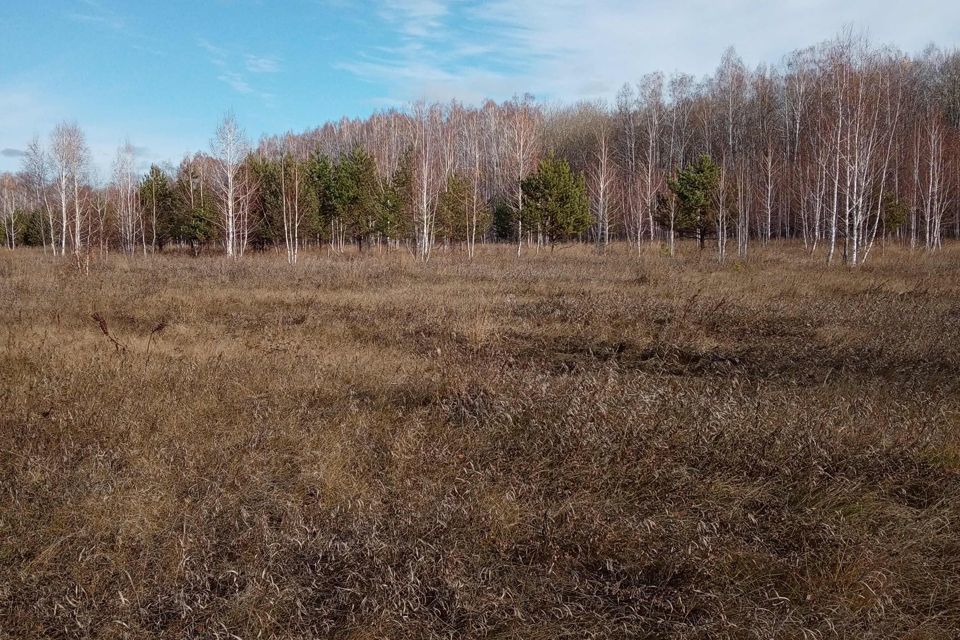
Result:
pixel 563 446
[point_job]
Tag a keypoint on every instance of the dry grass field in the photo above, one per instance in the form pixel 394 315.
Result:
pixel 562 446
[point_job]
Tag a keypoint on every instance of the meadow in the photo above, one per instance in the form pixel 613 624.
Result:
pixel 566 445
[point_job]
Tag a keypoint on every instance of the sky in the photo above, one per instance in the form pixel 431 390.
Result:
pixel 162 74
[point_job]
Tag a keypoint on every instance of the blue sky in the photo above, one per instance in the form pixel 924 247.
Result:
pixel 162 73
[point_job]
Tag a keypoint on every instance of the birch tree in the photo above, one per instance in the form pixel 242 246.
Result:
pixel 11 200
pixel 230 147
pixel 293 193
pixel 125 180
pixel 36 168
pixel 522 148
pixel 651 97
pixel 628 154
pixel 428 176
pixel 601 173
pixel 69 154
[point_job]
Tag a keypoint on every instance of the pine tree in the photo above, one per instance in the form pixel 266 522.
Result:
pixel 356 193
pixel 695 209
pixel 555 200
pixel 324 210
pixel 194 212
pixel 453 209
pixel 396 201
pixel 159 208
pixel 269 197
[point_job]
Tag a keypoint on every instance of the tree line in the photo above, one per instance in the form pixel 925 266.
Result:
pixel 840 145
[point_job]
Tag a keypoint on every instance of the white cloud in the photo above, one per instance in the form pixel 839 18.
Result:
pixel 235 67
pixel 94 13
pixel 97 15
pixel 218 55
pixel 236 82
pixel 416 18
pixel 261 64
pixel 573 49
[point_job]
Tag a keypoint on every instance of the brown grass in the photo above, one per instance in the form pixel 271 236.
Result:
pixel 566 445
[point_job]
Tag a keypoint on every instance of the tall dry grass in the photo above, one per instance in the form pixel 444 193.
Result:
pixel 567 445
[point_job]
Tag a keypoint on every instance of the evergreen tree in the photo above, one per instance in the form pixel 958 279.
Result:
pixel 895 214
pixel 269 199
pixel 695 209
pixel 34 229
pixel 396 201
pixel 356 194
pixel 194 209
pixel 555 200
pixel 504 222
pixel 453 209
pixel 159 208
pixel 324 209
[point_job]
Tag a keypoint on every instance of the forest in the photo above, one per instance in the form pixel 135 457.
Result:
pixel 840 146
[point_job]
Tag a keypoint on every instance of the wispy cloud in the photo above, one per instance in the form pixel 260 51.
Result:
pixel 437 51
pixel 13 153
pixel 575 49
pixel 261 64
pixel 416 18
pixel 95 13
pixel 218 55
pixel 236 82
pixel 235 68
